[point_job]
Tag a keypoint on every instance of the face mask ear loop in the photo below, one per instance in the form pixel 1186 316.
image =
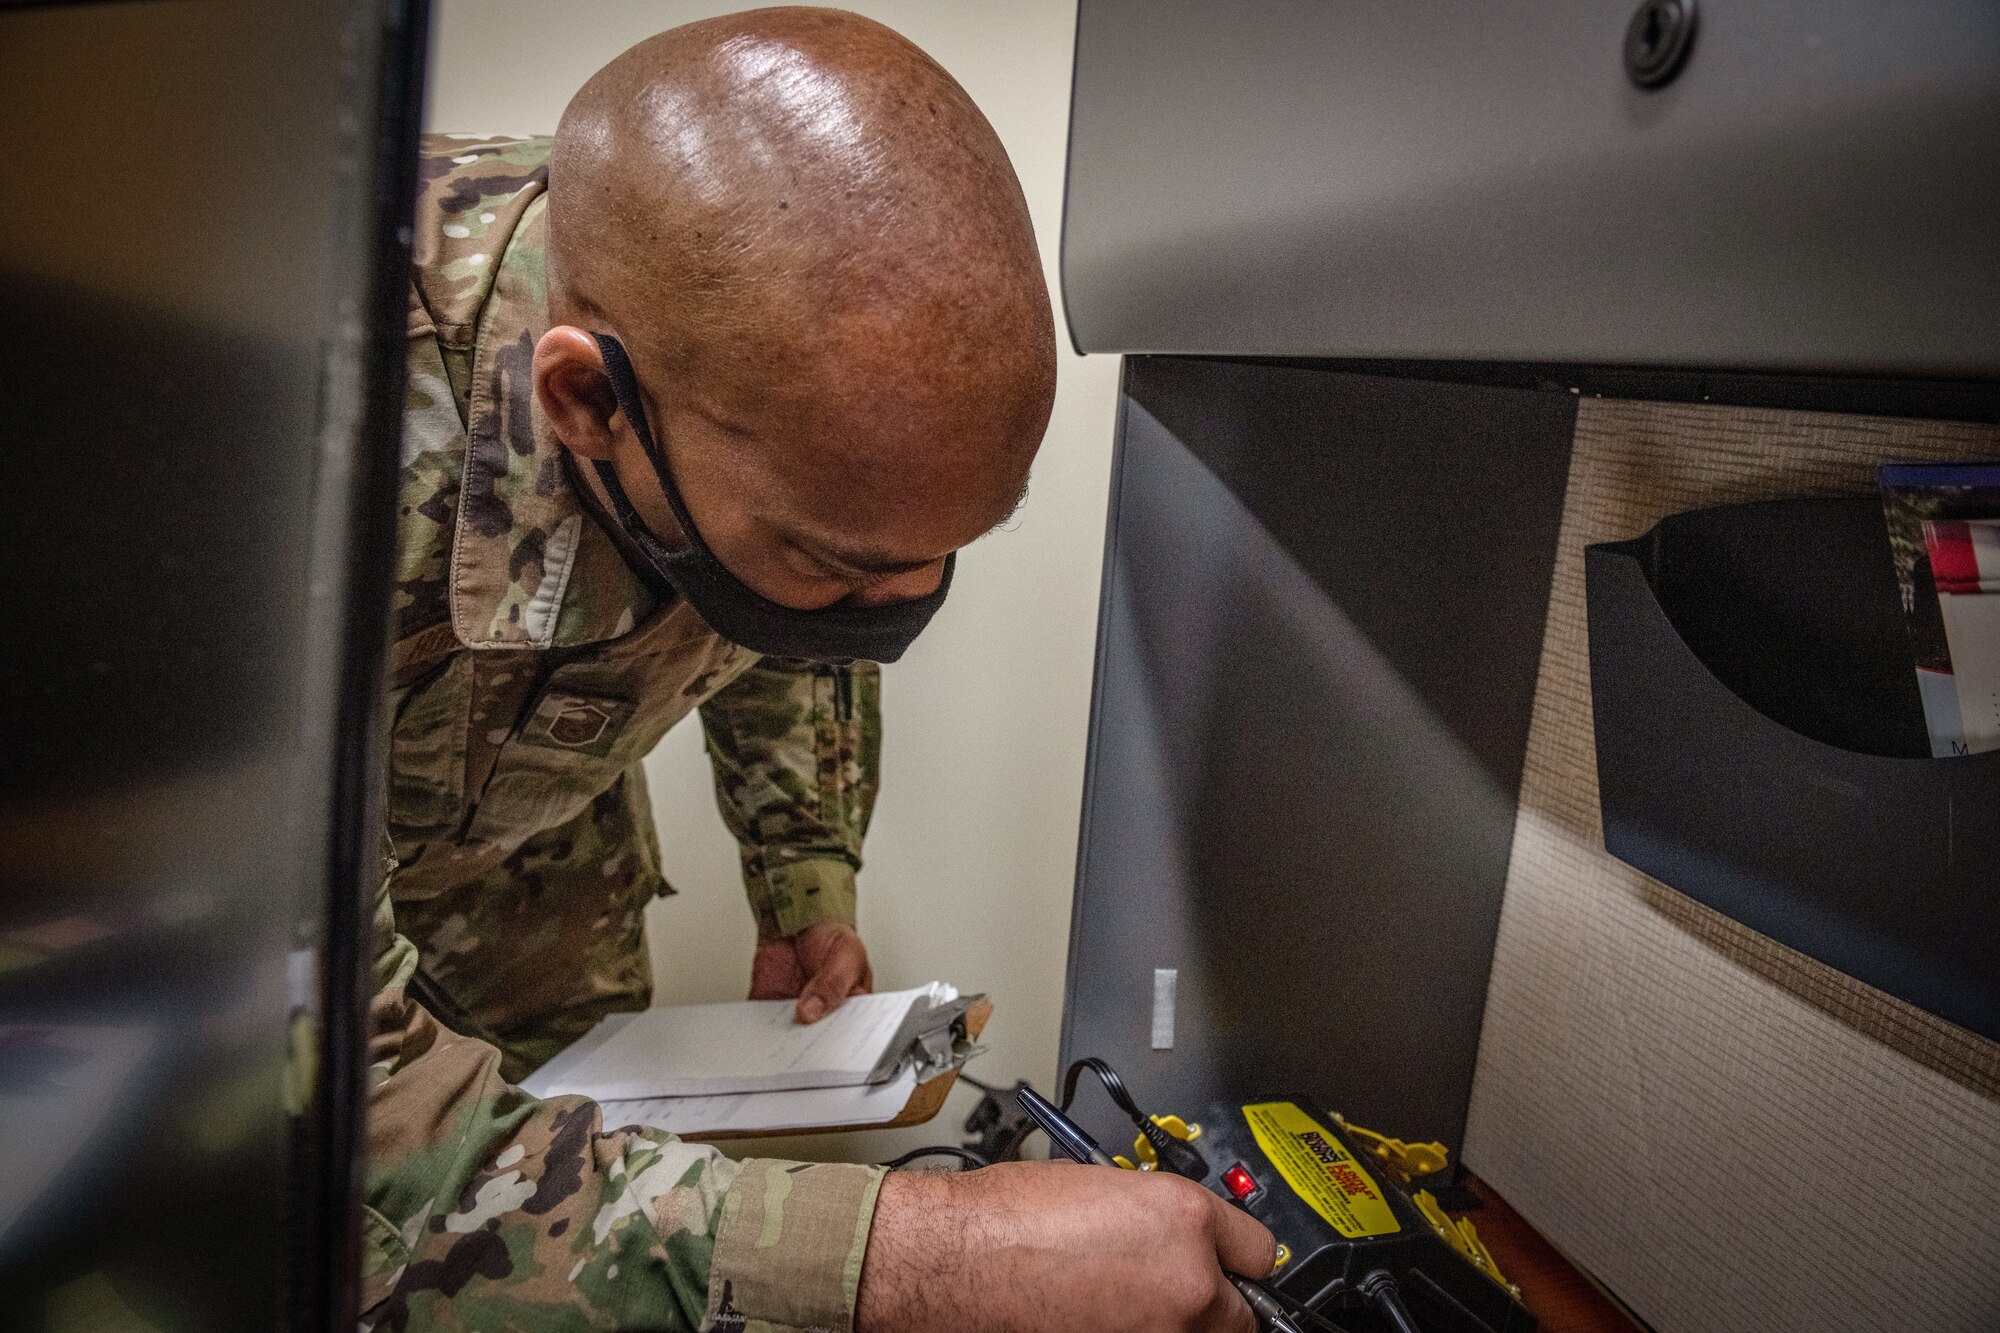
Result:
pixel 618 369
pixel 625 388
pixel 621 504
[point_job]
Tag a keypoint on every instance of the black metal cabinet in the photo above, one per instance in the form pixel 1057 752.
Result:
pixel 1815 190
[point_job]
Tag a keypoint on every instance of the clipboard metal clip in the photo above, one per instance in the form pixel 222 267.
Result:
pixel 933 1039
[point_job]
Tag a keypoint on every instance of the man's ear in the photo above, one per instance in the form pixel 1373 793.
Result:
pixel 574 391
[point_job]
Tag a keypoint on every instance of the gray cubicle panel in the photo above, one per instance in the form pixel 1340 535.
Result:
pixel 1817 189
pixel 1322 610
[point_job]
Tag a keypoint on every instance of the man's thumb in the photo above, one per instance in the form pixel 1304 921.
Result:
pixel 826 988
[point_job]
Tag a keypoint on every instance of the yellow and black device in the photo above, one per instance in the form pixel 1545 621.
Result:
pixel 1362 1246
pixel 1358 1242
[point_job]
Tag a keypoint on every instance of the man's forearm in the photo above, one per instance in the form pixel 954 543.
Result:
pixel 489 1208
pixel 796 751
pixel 1039 1245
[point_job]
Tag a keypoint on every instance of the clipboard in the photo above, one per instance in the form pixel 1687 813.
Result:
pixel 924 1103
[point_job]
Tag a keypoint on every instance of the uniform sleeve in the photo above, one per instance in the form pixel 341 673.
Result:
pixel 487 1208
pixel 796 747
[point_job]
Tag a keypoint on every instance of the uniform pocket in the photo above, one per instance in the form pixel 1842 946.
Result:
pixel 568 750
pixel 596 714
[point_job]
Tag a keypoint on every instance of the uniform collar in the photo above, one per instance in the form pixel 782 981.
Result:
pixel 530 566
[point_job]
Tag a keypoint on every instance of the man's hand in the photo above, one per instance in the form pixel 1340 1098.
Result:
pixel 822 965
pixel 1042 1245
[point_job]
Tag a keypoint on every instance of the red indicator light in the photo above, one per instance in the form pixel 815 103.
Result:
pixel 1240 1182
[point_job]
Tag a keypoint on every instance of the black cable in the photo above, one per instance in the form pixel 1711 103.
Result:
pixel 971 1159
pixel 1175 1157
pixel 1113 1085
pixel 1379 1290
pixel 1298 1310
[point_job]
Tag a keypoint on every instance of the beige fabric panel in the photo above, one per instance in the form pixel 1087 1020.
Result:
pixel 1730 1135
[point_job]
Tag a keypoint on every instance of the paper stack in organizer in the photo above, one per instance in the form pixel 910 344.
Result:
pixel 1963 499
pixel 1965 564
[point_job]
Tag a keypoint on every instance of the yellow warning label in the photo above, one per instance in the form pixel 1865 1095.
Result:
pixel 1321 1171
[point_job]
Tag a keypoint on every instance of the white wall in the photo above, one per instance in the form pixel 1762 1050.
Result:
pixel 971 858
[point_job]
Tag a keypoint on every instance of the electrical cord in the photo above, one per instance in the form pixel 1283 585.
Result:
pixel 971 1160
pixel 1379 1290
pixel 1175 1157
pixel 1114 1086
pixel 1299 1310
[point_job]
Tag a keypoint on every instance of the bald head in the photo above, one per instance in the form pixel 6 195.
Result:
pixel 814 248
pixel 748 176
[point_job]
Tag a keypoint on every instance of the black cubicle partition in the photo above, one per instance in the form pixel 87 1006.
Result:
pixel 1322 608
pixel 203 268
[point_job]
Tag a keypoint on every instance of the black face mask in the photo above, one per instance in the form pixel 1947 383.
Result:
pixel 731 608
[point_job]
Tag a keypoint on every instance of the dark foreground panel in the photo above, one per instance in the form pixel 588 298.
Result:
pixel 199 387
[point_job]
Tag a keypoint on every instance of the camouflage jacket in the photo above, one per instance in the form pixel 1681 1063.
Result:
pixel 531 673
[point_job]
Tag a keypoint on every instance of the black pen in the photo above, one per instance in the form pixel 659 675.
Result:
pixel 1070 1139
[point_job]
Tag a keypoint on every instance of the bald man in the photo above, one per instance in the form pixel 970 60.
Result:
pixel 705 392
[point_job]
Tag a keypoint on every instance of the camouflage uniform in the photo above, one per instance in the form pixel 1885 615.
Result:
pixel 532 671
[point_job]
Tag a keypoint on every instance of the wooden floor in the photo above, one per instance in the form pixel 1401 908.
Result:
pixel 1562 1299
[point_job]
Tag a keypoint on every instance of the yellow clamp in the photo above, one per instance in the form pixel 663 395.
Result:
pixel 1461 1235
pixel 1150 1160
pixel 1408 1160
